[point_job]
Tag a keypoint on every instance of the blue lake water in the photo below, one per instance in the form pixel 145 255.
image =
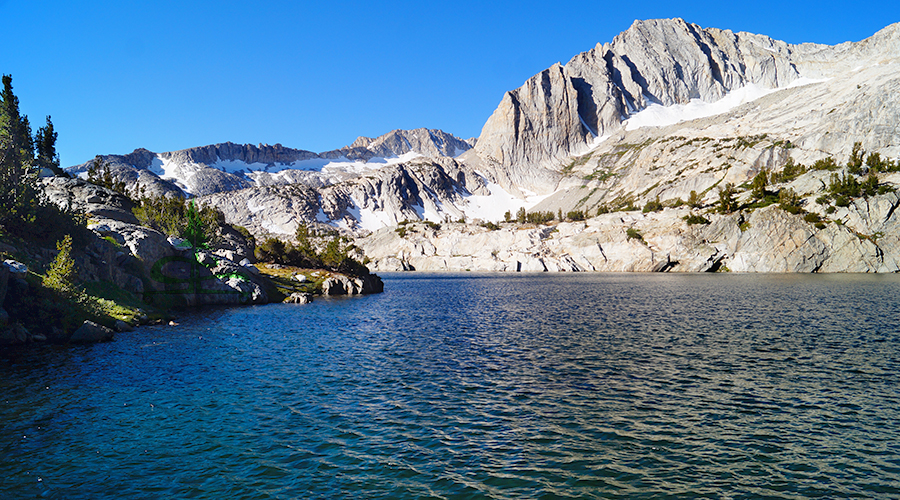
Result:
pixel 479 386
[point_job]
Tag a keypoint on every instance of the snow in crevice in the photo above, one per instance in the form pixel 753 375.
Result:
pixel 368 219
pixel 586 126
pixel 273 228
pixel 254 207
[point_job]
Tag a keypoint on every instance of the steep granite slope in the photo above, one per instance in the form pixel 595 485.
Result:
pixel 421 188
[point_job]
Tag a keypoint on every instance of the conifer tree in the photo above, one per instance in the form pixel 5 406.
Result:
pixel 18 194
pixel 61 275
pixel 45 141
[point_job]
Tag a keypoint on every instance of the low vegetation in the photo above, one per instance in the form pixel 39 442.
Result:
pixel 653 206
pixel 694 219
pixel 200 225
pixel 313 249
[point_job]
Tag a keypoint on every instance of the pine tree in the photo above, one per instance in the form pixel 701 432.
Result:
pixel 61 275
pixel 758 186
pixel 727 203
pixel 18 194
pixel 195 230
pixel 45 141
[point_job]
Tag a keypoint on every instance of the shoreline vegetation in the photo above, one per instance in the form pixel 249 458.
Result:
pixel 83 259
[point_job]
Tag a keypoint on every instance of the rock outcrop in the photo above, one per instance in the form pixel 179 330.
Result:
pixel 90 333
pixel 340 284
pixel 144 261
pixel 81 196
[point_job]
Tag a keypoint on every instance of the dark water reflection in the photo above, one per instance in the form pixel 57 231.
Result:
pixel 479 386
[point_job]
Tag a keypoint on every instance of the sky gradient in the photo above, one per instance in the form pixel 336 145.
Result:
pixel 168 75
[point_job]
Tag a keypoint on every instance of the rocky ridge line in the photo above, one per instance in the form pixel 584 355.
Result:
pixel 196 175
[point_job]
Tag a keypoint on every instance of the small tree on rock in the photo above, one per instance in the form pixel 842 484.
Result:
pixel 61 275
pixel 727 203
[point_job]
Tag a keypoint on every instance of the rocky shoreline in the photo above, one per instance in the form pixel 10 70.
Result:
pixel 164 273
pixel 862 237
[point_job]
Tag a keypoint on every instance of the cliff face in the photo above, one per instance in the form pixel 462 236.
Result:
pixel 666 109
pixel 420 188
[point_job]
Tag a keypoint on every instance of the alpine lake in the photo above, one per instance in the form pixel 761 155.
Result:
pixel 479 386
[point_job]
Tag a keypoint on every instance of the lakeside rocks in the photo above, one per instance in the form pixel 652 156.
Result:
pixel 299 298
pixel 347 285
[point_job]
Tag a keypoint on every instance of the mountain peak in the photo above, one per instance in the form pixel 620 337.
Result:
pixel 560 111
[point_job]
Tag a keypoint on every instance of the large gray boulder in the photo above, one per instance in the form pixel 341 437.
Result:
pixel 81 196
pixel 15 334
pixel 299 298
pixel 340 284
pixel 148 245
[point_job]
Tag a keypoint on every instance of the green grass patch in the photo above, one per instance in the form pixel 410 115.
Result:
pixel 633 234
pixel 117 303
pixel 285 283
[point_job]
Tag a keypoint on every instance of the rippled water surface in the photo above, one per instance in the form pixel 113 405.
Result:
pixel 479 386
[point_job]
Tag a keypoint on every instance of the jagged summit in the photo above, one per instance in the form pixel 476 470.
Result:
pixel 433 143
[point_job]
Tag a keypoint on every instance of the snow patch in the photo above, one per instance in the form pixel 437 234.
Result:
pixel 156 166
pixel 368 219
pixel 240 167
pixel 181 173
pixel 492 207
pixel 657 115
pixel 273 228
pixel 372 220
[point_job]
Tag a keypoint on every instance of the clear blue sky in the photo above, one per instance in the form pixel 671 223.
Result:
pixel 168 75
